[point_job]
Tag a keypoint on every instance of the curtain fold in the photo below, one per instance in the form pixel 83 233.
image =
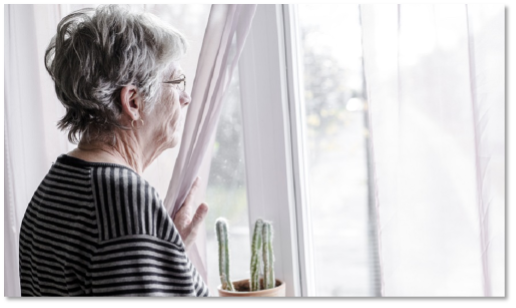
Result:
pixel 435 82
pixel 225 35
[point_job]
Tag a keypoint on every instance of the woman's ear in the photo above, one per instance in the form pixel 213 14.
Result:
pixel 131 102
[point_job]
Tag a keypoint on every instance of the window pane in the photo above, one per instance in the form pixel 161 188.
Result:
pixel 226 192
pixel 337 150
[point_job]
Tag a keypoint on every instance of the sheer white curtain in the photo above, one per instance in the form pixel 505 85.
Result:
pixel 224 39
pixel 31 109
pixel 435 80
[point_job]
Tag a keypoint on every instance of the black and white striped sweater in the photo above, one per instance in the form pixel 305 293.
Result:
pixel 98 229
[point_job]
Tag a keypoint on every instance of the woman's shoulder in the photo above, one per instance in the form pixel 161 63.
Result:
pixel 108 176
pixel 126 203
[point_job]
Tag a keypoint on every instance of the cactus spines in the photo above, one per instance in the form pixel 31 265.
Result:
pixel 222 238
pixel 256 248
pixel 268 257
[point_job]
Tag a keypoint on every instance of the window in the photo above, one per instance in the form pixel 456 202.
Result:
pixel 341 205
pixel 226 192
pixel 302 115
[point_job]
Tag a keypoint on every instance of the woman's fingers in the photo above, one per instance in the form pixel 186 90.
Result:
pixel 184 215
pixel 186 221
pixel 197 221
pixel 199 216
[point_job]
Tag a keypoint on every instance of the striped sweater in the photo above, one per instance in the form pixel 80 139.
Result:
pixel 98 229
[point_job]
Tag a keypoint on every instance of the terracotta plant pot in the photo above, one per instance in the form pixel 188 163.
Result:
pixel 242 290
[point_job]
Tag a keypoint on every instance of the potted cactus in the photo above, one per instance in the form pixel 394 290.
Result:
pixel 261 247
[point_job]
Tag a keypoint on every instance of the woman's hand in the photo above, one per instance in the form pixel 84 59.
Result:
pixel 188 223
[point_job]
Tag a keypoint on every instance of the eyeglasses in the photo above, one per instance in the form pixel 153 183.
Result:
pixel 179 83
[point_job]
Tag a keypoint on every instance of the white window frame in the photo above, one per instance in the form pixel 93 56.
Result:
pixel 273 117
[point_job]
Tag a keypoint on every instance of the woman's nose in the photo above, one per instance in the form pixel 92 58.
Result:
pixel 185 99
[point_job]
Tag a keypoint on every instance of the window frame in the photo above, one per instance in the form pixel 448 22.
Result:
pixel 273 117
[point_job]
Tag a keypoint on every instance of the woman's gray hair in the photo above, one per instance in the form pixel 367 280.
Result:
pixel 98 51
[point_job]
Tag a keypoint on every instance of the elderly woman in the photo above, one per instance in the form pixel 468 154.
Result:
pixel 94 226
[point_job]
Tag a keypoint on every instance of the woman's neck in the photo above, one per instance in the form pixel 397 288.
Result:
pixel 128 154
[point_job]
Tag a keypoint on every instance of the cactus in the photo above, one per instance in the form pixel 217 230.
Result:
pixel 262 242
pixel 269 281
pixel 256 248
pixel 222 238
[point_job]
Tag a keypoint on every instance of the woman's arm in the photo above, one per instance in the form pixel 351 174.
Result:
pixel 144 265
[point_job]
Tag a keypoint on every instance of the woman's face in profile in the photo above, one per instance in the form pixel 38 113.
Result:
pixel 167 117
